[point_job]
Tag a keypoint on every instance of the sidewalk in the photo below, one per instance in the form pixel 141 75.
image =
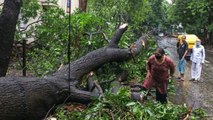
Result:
pixel 208 47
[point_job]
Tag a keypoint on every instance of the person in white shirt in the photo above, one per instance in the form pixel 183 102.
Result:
pixel 197 58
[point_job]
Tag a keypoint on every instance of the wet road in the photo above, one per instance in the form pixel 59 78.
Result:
pixel 194 94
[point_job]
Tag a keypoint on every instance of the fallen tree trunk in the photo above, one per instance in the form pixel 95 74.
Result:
pixel 31 98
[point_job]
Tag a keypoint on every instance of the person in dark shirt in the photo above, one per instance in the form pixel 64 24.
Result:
pixel 182 47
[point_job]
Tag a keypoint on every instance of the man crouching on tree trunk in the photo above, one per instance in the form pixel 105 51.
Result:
pixel 159 67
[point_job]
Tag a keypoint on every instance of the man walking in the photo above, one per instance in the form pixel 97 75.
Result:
pixel 182 52
pixel 197 58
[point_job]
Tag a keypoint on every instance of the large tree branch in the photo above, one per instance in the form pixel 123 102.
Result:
pixel 30 25
pixel 31 98
pixel 97 58
pixel 8 20
pixel 117 36
pixel 93 33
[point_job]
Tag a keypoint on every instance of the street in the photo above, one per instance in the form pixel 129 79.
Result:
pixel 193 94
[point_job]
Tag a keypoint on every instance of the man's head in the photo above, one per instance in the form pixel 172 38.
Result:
pixel 198 42
pixel 159 53
pixel 183 38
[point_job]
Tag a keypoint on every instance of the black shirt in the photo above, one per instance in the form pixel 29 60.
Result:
pixel 182 48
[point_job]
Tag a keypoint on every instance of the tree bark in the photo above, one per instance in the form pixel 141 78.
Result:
pixel 210 23
pixel 31 98
pixel 83 5
pixel 8 20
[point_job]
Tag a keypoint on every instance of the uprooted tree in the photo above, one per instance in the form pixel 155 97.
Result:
pixel 31 98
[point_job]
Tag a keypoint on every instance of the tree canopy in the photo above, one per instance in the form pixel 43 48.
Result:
pixel 195 16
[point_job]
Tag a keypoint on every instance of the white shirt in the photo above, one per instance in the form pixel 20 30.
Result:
pixel 198 54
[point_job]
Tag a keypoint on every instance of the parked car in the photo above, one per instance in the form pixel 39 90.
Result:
pixel 191 40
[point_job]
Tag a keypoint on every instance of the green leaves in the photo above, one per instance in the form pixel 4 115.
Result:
pixel 30 9
pixel 193 14
pixel 130 11
pixel 51 34
pixel 121 107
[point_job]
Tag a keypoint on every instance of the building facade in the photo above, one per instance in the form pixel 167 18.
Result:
pixel 64 4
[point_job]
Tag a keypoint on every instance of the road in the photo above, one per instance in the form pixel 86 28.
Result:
pixel 194 94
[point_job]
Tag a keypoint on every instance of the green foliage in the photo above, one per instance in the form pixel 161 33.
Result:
pixel 137 68
pixel 50 37
pixel 30 9
pixel 120 107
pixel 51 31
pixel 155 16
pixel 84 22
pixel 113 13
pixel 193 14
pixel 198 112
pixel 46 55
pixel 127 10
